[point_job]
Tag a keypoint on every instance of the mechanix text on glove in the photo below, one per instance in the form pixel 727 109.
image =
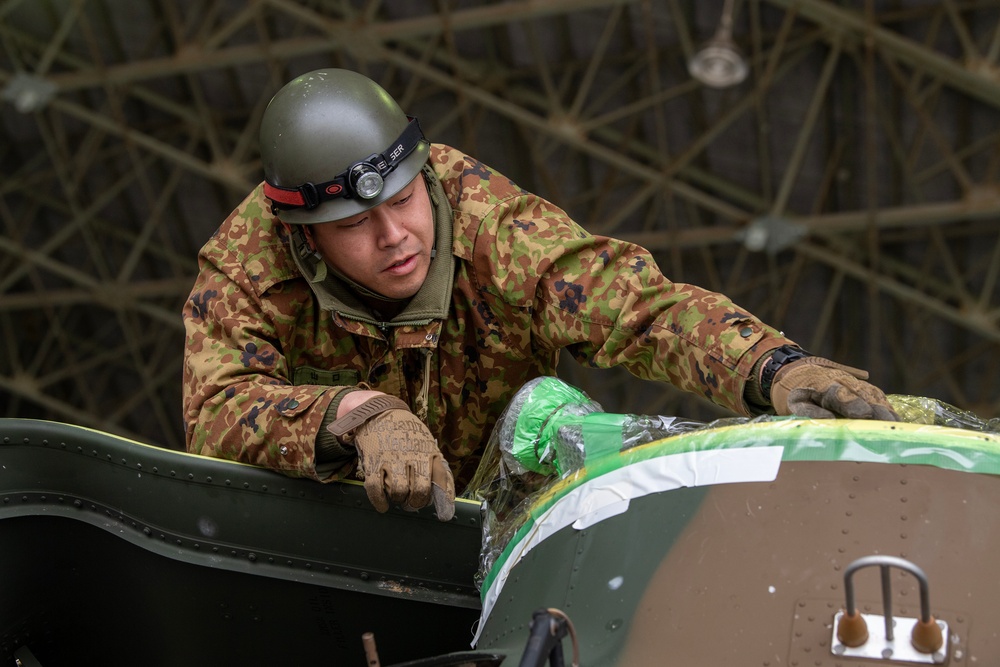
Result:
pixel 398 458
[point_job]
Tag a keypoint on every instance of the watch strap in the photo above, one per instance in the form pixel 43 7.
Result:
pixel 782 356
pixel 344 427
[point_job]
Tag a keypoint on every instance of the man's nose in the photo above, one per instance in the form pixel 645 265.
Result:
pixel 392 230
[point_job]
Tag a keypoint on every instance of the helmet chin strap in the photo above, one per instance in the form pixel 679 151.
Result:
pixel 305 247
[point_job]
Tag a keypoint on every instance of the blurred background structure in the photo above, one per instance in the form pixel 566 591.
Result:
pixel 831 165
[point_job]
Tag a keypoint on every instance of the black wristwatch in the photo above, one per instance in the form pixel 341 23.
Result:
pixel 785 354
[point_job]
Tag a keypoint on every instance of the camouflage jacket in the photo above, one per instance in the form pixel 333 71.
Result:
pixel 263 360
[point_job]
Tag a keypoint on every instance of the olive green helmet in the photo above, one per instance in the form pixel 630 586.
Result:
pixel 334 144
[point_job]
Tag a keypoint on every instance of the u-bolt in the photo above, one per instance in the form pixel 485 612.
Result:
pixel 927 637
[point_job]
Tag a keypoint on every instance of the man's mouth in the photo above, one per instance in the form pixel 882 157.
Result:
pixel 402 264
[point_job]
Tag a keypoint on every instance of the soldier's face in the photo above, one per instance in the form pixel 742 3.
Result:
pixel 386 249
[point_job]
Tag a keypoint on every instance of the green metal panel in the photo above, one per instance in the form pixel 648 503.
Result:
pixel 595 575
pixel 115 552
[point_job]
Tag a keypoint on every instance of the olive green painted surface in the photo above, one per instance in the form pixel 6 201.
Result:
pixel 595 576
pixel 98 532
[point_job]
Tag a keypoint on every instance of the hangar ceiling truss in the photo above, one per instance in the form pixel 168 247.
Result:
pixel 847 191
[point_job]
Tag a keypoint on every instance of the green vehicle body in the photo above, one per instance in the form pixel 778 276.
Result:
pixel 119 553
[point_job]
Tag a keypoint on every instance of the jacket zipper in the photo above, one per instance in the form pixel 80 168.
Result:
pixel 423 401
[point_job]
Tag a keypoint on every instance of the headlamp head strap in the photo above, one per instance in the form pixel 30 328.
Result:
pixel 362 179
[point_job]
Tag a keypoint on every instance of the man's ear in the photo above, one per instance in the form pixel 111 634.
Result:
pixel 308 234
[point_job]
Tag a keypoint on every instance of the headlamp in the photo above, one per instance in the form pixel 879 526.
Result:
pixel 364 179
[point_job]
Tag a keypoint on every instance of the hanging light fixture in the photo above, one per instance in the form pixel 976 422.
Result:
pixel 719 64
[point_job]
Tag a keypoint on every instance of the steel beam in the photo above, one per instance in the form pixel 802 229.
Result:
pixel 340 33
pixel 981 84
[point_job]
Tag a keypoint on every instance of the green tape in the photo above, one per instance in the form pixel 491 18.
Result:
pixel 602 435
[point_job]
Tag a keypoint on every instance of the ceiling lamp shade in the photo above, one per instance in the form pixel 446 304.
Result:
pixel 719 64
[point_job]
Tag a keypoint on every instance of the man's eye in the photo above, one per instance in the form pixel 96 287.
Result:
pixel 403 200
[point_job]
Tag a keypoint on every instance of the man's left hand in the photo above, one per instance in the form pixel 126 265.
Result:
pixel 822 389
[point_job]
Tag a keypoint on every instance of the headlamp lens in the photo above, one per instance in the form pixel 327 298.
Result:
pixel 366 181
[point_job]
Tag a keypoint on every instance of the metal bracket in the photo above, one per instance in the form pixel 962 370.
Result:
pixel 878 647
pixel 871 636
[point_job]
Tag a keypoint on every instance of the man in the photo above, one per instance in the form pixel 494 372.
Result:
pixel 378 300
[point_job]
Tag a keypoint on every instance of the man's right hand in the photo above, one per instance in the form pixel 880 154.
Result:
pixel 398 456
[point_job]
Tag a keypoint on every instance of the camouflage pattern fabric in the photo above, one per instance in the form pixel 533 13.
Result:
pixel 529 282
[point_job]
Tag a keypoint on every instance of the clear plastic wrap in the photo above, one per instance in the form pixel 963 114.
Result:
pixel 922 410
pixel 542 437
pixel 551 432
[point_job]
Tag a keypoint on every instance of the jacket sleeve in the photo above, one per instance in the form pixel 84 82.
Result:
pixel 239 399
pixel 608 304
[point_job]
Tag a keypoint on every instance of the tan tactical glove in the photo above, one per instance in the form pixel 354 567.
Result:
pixel 398 457
pixel 822 389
